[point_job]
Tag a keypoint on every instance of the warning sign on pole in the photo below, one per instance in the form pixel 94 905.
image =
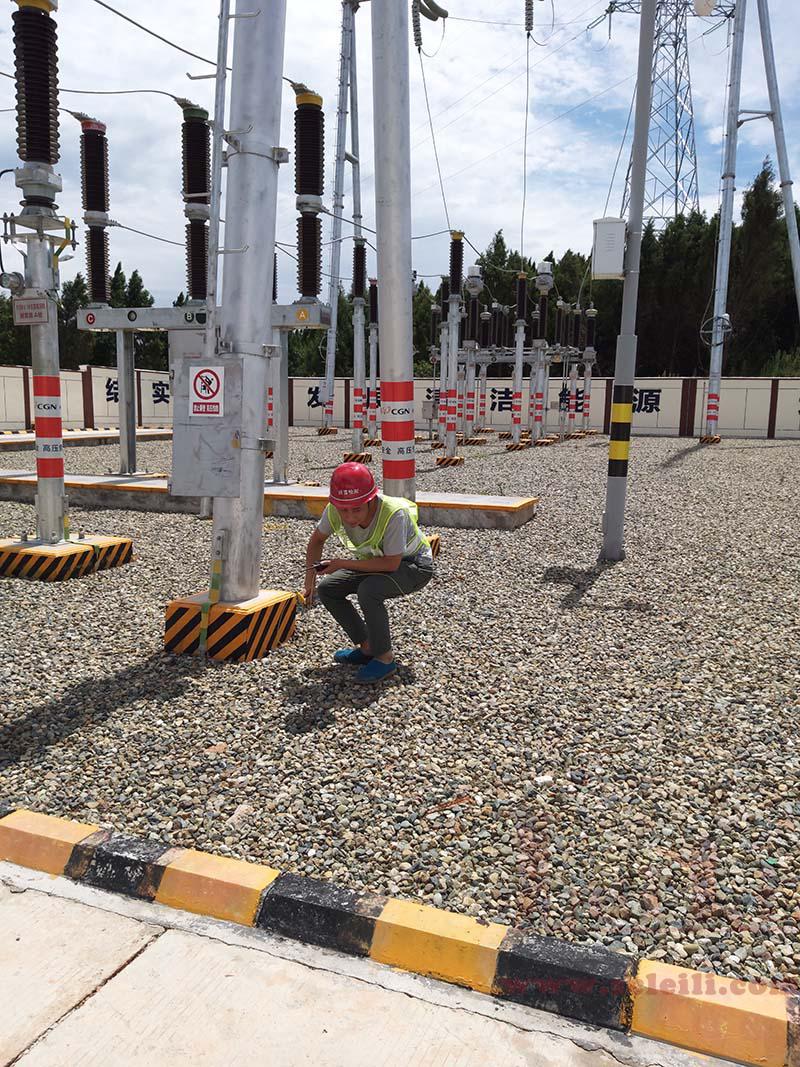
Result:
pixel 30 310
pixel 206 395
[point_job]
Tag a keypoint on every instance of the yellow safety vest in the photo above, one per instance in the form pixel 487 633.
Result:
pixel 373 546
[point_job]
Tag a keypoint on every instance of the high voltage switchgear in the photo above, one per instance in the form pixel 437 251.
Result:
pixel 196 159
pixel 309 147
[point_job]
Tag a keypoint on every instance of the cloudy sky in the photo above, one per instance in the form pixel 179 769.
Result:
pixel 581 86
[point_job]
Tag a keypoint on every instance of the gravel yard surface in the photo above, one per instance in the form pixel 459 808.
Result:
pixel 604 753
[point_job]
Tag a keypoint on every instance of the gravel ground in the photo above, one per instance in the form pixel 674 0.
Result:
pixel 607 754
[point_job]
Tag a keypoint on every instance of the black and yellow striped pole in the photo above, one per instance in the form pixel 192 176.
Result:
pixel 625 364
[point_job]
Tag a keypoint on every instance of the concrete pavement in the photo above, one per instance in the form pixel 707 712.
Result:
pixel 93 978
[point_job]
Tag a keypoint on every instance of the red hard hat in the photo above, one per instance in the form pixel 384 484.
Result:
pixel 352 484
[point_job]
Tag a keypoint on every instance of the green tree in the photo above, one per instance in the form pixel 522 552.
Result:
pixel 15 341
pixel 77 347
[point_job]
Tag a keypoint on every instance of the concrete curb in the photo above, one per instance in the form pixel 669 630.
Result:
pixel 753 1024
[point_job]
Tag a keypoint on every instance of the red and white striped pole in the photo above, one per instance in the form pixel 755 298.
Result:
pixel 51 518
pixel 270 409
pixel 392 146
pixel 470 394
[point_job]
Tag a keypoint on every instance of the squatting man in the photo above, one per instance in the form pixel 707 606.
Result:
pixel 392 559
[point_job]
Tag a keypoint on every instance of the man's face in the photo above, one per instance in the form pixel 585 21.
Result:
pixel 358 516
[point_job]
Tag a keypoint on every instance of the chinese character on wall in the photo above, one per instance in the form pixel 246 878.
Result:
pixel 646 401
pixel 160 392
pixel 502 399
pixel 377 395
pixel 112 391
pixel 313 397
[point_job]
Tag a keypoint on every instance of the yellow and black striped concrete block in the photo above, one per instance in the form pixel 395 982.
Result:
pixel 753 1024
pixel 435 541
pixel 543 442
pixel 619 444
pixel 710 439
pixel 373 442
pixel 326 431
pixel 437 444
pixel 473 441
pixel 449 461
pixel 240 632
pixel 504 435
pixel 357 457
pixel 519 446
pixel 71 559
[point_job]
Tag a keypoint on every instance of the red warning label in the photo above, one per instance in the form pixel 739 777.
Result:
pixel 207 396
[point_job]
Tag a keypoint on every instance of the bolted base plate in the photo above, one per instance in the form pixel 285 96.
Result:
pixel 240 632
pixel 69 559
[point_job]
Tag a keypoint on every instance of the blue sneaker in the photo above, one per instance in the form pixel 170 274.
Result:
pixel 354 657
pixel 375 671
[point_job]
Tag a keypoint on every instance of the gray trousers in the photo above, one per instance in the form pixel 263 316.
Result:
pixel 372 590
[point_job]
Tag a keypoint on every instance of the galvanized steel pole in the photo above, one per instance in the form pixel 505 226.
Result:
pixel 780 142
pixel 391 109
pixel 625 363
pixel 718 329
pixel 126 390
pixel 246 317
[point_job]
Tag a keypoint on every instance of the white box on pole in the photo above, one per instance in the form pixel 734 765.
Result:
pixel 608 250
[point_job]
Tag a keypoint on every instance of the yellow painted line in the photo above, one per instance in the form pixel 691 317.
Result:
pixel 428 941
pixel 742 1021
pixel 215 885
pixel 622 413
pixel 619 449
pixel 41 842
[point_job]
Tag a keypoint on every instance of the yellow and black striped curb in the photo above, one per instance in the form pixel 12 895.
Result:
pixel 750 1023
pixel 326 431
pixel 474 441
pixel 518 446
pixel 504 435
pixel 449 461
pixel 56 563
pixel 373 442
pixel 357 457
pixel 239 632
pixel 619 444
pixel 710 439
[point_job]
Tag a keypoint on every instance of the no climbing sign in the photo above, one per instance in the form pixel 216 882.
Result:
pixel 207 395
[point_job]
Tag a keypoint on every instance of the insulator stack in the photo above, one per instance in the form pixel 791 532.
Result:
pixel 97 266
pixel 543 315
pixel 196 160
pixel 359 268
pixel 94 166
pixel 529 16
pixel 508 338
pixel 274 277
pixel 444 292
pixel 373 301
pixel 535 331
pixel 522 296
pixel 578 321
pixel 309 260
pixel 565 319
pixel 95 199
pixel 474 313
pixel 416 25
pixel 461 326
pixel 436 317
pixel 485 329
pixel 197 258
pixel 456 262
pixel 591 323
pixel 559 317
pixel 309 145
pixel 496 335
pixel 36 69
pixel 309 184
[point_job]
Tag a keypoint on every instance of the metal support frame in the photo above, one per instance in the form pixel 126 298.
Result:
pixel 126 390
pixel 625 362
pixel 391 111
pixel 246 318
pixel 359 374
pixel 346 92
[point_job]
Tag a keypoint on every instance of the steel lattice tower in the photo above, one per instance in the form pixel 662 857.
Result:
pixel 671 187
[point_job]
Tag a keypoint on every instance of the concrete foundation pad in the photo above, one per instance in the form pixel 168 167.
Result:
pixel 244 631
pixel 68 559
pixel 25 441
pixel 456 510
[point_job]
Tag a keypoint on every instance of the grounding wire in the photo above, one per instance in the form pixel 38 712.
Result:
pixel 619 154
pixel 433 138
pixel 181 101
pixel 143 233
